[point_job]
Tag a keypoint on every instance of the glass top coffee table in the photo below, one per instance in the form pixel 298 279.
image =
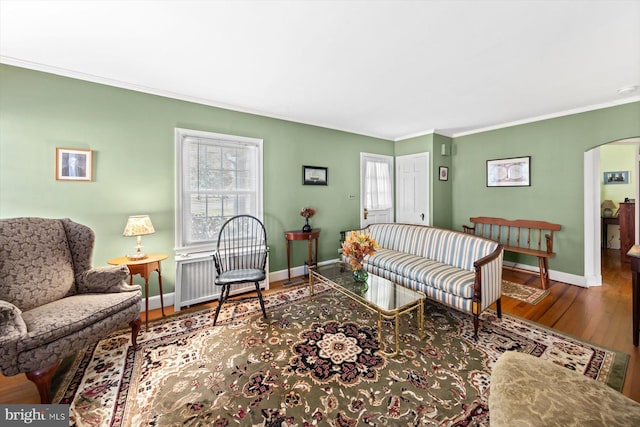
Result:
pixel 379 295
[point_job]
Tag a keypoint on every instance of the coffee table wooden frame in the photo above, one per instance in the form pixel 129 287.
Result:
pixel 417 304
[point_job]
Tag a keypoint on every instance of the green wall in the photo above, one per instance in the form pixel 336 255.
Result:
pixel 556 194
pixel 132 138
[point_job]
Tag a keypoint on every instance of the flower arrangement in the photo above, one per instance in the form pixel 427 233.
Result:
pixel 307 212
pixel 356 247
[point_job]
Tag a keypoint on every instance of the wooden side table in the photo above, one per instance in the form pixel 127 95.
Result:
pixel 309 236
pixel 144 268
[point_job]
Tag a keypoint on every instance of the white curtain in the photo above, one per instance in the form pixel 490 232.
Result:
pixel 377 185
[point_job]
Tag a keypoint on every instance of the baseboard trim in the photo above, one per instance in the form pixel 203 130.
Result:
pixel 558 276
pixel 154 301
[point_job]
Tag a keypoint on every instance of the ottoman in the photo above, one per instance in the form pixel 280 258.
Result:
pixel 528 391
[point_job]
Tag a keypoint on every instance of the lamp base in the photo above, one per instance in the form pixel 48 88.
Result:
pixel 136 257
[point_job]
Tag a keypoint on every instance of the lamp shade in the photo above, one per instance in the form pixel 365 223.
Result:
pixel 607 207
pixel 138 225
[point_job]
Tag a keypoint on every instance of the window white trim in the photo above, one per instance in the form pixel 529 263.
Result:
pixel 182 135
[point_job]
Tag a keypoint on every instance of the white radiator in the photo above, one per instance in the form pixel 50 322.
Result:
pixel 195 274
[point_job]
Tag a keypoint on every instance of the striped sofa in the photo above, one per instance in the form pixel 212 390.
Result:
pixel 457 269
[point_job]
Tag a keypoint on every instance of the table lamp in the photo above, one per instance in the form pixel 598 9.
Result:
pixel 138 225
pixel 607 208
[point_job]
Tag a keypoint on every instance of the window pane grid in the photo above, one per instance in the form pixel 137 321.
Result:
pixel 219 180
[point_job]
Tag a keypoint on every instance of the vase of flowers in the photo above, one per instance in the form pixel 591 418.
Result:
pixel 355 248
pixel 307 213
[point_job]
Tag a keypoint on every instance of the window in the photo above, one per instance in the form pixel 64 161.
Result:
pixel 377 184
pixel 218 176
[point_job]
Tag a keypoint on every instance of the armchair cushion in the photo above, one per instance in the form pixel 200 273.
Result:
pixel 54 345
pixel 47 323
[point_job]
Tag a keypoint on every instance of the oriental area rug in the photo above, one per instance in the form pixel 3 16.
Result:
pixel 311 362
pixel 524 293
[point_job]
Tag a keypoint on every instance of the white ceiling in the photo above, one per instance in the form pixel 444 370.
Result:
pixel 390 69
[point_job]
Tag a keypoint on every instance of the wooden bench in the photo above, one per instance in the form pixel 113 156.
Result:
pixel 522 236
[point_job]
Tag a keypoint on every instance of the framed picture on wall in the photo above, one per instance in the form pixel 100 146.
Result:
pixel 616 177
pixel 314 175
pixel 512 172
pixel 73 164
pixel 444 173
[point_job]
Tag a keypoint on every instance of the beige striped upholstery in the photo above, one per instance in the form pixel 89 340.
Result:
pixel 438 262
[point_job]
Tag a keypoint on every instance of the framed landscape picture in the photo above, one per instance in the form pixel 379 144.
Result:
pixel 512 172
pixel 73 164
pixel 314 175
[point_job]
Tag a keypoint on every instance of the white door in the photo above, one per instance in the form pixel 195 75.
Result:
pixel 412 189
pixel 376 189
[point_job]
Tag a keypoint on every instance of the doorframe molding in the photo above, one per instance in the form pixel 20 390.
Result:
pixel 592 223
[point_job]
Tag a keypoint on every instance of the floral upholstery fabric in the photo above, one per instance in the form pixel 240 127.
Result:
pixel 52 303
pixel 529 391
pixel 51 321
pixel 35 262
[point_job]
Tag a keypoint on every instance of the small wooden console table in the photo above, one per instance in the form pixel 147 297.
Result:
pixel 309 236
pixel 144 267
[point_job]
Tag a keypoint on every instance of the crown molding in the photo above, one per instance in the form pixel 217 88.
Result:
pixel 550 116
pixel 415 135
pixel 168 94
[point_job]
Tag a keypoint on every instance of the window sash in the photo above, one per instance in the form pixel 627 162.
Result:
pixel 378 193
pixel 218 176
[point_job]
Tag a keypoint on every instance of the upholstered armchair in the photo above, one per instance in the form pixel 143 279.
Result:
pixel 52 302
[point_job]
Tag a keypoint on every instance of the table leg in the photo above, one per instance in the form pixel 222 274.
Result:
pixel 288 261
pixel 380 331
pixel 397 320
pixel 309 257
pixel 316 251
pixel 421 318
pixel 146 303
pixel 160 286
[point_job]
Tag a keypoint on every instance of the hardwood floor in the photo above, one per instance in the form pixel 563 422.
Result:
pixel 601 315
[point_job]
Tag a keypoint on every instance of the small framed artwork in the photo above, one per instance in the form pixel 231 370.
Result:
pixel 73 164
pixel 314 175
pixel 444 173
pixel 617 177
pixel 512 172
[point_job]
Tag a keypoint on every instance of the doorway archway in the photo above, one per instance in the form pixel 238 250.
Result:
pixel 592 228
